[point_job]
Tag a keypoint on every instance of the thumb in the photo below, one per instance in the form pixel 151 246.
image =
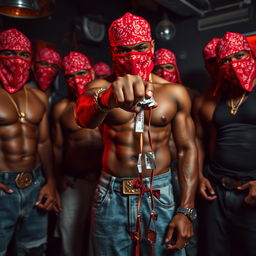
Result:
pixel 149 90
pixel 6 189
pixel 243 187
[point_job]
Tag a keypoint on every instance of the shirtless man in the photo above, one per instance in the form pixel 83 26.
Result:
pixel 78 154
pixel 110 104
pixel 166 67
pixel 25 193
pixel 102 70
pixel 227 163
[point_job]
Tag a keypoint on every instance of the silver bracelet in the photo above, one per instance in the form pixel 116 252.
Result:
pixel 96 100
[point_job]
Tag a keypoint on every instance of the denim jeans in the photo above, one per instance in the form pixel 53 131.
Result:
pixel 114 215
pixel 19 217
pixel 227 224
pixel 73 222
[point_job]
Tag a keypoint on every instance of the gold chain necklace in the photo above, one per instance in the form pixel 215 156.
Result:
pixel 21 114
pixel 234 107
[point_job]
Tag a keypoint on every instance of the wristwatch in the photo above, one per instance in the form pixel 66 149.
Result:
pixel 189 212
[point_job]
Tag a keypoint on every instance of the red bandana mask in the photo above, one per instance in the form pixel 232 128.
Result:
pixel 126 31
pixel 240 72
pixel 14 70
pixel 209 52
pixel 102 69
pixel 73 63
pixel 164 56
pixel 45 75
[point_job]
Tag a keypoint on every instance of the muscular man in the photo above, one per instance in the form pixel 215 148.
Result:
pixel 25 193
pixel 228 181
pixel 101 70
pixel 166 67
pixel 78 154
pixel 46 67
pixel 120 214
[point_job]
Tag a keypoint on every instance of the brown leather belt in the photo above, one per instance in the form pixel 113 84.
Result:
pixel 231 183
pixel 24 179
pixel 128 189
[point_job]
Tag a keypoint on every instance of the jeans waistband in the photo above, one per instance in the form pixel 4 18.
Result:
pixel 159 181
pixel 8 177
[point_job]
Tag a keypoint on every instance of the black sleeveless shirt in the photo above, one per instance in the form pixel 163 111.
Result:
pixel 235 154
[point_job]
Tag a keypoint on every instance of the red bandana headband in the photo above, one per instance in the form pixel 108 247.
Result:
pixel 48 55
pixel 209 50
pixel 129 30
pixel 231 43
pixel 101 69
pixel 74 62
pixel 240 72
pixel 13 39
pixel 164 56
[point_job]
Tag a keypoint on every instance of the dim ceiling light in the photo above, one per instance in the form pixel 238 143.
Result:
pixel 27 8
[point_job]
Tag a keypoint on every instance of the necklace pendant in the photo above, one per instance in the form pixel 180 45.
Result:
pixel 233 111
pixel 22 117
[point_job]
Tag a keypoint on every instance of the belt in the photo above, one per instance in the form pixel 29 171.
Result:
pixel 231 183
pixel 22 179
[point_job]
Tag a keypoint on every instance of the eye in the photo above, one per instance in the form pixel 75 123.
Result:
pixel 69 76
pixel 224 61
pixel 169 67
pixel 25 55
pixel 141 48
pixel 43 63
pixel 122 51
pixel 81 73
pixel 8 53
pixel 157 69
pixel 240 55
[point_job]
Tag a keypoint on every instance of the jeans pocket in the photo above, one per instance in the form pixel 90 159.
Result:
pixel 166 199
pixel 2 193
pixel 100 195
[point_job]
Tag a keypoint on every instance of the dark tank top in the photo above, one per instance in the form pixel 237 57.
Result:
pixel 235 154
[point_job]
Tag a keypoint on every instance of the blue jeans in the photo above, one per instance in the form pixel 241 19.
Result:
pixel 114 215
pixel 19 217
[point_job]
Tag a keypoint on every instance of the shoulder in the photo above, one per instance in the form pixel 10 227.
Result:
pixel 59 108
pixel 41 96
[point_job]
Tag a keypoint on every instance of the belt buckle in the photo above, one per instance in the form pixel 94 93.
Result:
pixel 128 189
pixel 23 179
pixel 230 183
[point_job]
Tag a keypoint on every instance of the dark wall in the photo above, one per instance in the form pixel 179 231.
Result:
pixel 187 44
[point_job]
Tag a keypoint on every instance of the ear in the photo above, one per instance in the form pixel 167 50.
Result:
pixel 153 46
pixel 93 74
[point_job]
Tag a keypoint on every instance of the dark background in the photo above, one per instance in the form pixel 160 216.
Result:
pixel 187 43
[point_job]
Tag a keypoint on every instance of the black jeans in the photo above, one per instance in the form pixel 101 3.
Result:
pixel 227 225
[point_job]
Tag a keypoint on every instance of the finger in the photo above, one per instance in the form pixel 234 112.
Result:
pixel 244 186
pixel 169 233
pixel 205 195
pixel 118 91
pixel 139 90
pixel 39 198
pixel 6 189
pixel 149 90
pixel 128 94
pixel 181 243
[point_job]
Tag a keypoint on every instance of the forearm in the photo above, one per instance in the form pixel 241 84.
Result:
pixel 188 176
pixel 87 113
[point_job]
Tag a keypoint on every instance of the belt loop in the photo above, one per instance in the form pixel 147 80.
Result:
pixel 111 185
